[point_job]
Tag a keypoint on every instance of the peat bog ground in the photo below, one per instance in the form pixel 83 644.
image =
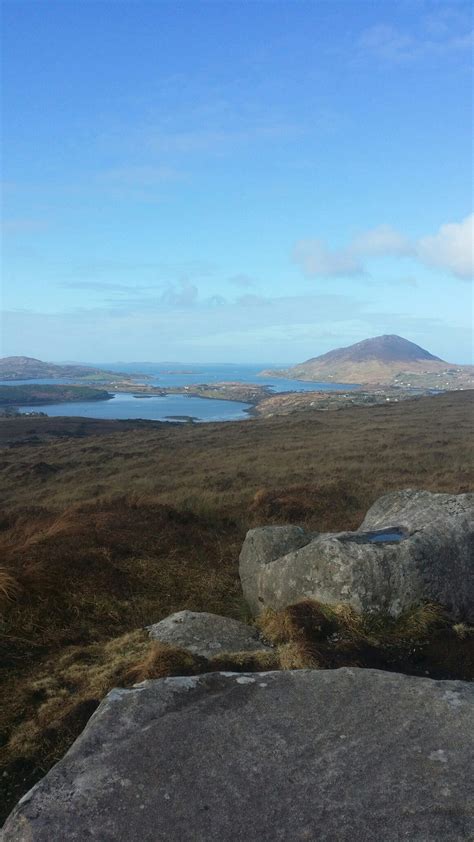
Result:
pixel 108 526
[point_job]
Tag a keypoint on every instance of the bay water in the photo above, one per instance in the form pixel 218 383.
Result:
pixel 171 407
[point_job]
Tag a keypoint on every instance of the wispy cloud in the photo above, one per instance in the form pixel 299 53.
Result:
pixel 403 281
pixel 302 326
pixel 382 240
pixel 183 294
pixel 141 176
pixel 242 281
pixel 316 259
pixel 176 270
pixel 98 286
pixel 142 181
pixel 218 140
pixel 173 296
pixel 439 36
pixel 442 21
pixel 450 249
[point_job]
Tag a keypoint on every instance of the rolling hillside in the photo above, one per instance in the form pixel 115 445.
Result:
pixel 29 368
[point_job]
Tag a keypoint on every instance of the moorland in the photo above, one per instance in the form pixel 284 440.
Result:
pixel 39 395
pixel 108 526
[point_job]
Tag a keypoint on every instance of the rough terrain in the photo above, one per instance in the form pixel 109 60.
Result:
pixel 304 755
pixel 109 526
pixel 412 547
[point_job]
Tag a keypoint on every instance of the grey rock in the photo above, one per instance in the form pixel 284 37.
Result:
pixel 262 546
pixel 206 634
pixel 418 510
pixel 332 756
pixel 412 547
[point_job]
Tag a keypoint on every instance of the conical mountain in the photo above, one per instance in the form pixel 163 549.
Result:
pixel 379 360
pixel 387 348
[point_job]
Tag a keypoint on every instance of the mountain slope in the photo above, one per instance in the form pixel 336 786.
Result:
pixel 29 368
pixel 389 348
pixel 381 360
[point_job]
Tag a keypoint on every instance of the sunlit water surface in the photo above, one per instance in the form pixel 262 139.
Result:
pixel 125 405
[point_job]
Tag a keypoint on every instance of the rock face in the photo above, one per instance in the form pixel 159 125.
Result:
pixel 331 756
pixel 413 546
pixel 206 634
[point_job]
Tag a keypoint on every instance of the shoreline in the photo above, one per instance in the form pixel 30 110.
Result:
pixel 258 401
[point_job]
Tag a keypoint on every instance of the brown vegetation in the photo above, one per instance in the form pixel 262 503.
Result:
pixel 422 641
pixel 106 527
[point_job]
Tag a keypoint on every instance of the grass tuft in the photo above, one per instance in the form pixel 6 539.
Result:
pixel 298 655
pixel 420 622
pixel 9 587
pixel 163 659
pixel 258 661
pixel 463 631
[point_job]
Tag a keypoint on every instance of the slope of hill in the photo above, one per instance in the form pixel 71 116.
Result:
pixel 29 368
pixel 110 526
pixel 382 360
pixel 34 395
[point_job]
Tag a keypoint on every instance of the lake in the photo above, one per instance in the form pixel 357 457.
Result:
pixel 123 406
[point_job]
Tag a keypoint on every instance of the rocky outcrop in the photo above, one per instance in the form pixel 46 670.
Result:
pixel 412 547
pixel 331 756
pixel 206 634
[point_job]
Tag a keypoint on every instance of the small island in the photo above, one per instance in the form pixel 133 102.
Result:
pixel 37 395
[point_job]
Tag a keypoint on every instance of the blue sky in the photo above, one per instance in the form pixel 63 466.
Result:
pixel 235 181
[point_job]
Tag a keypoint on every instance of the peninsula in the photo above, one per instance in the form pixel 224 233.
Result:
pixel 382 361
pixel 29 368
pixel 37 395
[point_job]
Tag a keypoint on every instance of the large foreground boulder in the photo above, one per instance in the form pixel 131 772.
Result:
pixel 332 756
pixel 206 634
pixel 412 547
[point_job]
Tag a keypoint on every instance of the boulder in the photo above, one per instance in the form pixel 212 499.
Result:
pixel 262 546
pixel 206 634
pixel 418 509
pixel 331 755
pixel 412 547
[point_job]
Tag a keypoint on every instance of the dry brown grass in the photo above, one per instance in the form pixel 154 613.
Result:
pixel 420 641
pixel 294 622
pixel 98 569
pixel 9 587
pixel 163 659
pixel 259 661
pixel 313 621
pixel 297 656
pixel 358 453
pixel 106 527
pixel 325 505
pixel 80 674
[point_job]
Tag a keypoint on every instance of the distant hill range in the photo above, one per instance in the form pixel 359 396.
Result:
pixel 28 368
pixel 382 360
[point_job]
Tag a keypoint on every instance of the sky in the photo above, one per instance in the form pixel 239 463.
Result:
pixel 235 181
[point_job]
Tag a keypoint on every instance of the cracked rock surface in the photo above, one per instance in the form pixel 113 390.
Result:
pixel 330 755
